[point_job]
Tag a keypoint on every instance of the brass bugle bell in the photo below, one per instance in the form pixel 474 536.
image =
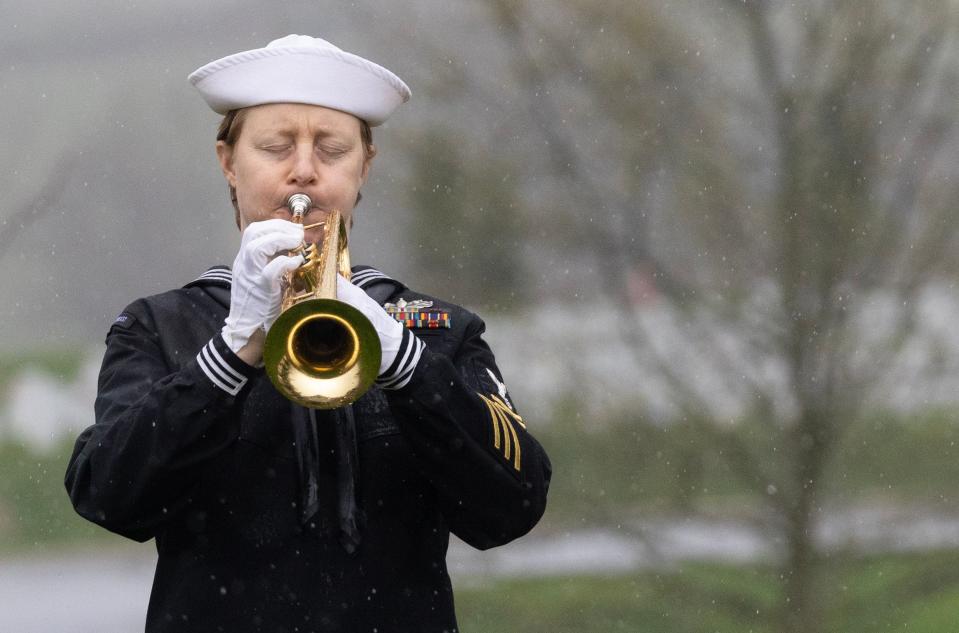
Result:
pixel 320 352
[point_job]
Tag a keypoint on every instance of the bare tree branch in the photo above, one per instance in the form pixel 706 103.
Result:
pixel 12 227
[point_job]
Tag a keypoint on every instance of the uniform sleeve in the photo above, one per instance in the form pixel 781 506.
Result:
pixel 491 475
pixel 154 429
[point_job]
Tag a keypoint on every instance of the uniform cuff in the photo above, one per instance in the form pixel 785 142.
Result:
pixel 399 373
pixel 224 368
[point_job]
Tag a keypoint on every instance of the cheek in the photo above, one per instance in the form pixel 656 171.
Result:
pixel 253 186
pixel 339 188
pixel 355 178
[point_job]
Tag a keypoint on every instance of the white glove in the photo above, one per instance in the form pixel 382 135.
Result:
pixel 257 271
pixel 401 350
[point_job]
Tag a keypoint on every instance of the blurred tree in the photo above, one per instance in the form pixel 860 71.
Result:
pixel 47 195
pixel 775 179
pixel 466 224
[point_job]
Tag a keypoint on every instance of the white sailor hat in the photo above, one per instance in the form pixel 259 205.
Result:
pixel 301 69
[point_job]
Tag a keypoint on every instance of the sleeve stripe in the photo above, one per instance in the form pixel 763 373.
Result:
pixel 400 372
pixel 218 371
pixel 401 380
pixel 397 382
pixel 400 354
pixel 231 373
pixel 213 377
pixel 404 355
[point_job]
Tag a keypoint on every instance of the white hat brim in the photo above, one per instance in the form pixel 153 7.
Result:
pixel 326 77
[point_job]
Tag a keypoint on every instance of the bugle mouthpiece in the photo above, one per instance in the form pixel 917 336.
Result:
pixel 299 204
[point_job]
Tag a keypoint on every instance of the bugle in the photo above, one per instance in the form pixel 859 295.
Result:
pixel 320 352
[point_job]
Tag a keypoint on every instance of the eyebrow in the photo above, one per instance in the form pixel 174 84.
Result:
pixel 286 131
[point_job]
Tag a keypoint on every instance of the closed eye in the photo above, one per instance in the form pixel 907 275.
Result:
pixel 330 151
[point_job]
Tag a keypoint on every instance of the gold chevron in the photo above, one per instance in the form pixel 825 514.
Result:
pixel 498 410
pixel 506 409
pixel 498 413
pixel 506 427
pixel 515 441
pixel 492 414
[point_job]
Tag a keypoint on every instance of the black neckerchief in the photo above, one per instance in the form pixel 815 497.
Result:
pixel 306 436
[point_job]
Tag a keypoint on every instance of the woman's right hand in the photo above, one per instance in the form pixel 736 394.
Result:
pixel 256 291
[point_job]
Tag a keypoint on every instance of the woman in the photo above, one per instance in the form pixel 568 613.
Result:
pixel 269 516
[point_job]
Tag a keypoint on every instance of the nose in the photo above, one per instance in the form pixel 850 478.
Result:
pixel 303 170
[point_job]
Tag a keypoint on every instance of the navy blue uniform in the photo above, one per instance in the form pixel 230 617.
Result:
pixel 243 490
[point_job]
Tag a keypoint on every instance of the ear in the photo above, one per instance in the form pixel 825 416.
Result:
pixel 224 153
pixel 367 163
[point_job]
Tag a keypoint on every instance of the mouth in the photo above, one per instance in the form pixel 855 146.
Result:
pixel 313 211
pixel 299 203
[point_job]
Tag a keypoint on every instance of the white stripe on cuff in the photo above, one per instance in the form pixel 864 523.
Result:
pixel 218 371
pixel 400 381
pixel 404 371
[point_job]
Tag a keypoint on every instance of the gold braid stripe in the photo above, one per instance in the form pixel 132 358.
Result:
pixel 515 441
pixel 498 411
pixel 506 442
pixel 497 414
pixel 505 408
pixel 499 420
pixel 492 414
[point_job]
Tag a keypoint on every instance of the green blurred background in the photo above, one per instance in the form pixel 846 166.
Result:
pixel 714 241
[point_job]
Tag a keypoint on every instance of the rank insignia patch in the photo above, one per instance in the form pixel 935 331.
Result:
pixel 416 314
pixel 123 320
pixel 505 438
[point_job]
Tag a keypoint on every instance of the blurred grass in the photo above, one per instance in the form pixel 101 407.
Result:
pixel 611 471
pixel 603 475
pixel 35 511
pixel 900 592
pixel 61 363
pixel 900 458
